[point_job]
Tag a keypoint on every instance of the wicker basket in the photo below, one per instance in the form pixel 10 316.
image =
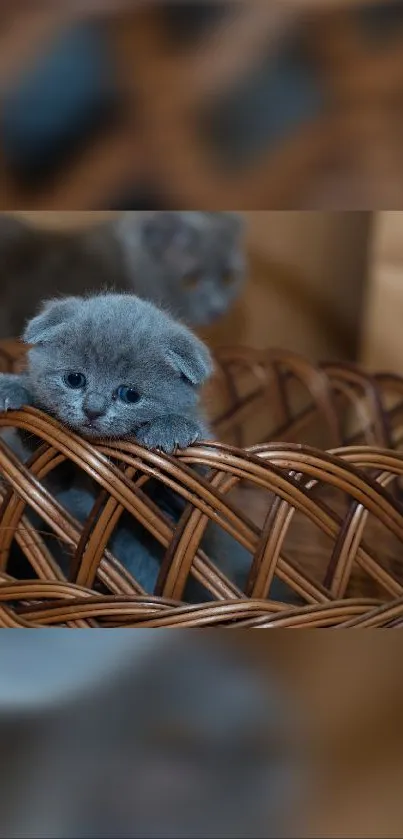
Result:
pixel 321 510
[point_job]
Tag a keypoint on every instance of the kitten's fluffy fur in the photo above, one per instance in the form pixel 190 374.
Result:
pixel 192 263
pixel 114 341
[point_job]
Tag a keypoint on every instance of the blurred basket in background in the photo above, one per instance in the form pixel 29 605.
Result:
pixel 324 518
pixel 270 104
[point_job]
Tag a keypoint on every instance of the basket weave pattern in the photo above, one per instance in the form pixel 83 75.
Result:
pixel 322 509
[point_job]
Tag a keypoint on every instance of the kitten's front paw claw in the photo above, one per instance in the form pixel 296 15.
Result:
pixel 168 434
pixel 13 397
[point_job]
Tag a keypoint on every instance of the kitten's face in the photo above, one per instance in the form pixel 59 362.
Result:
pixel 199 259
pixel 113 363
pixel 179 760
pixel 211 268
pixel 218 757
pixel 209 287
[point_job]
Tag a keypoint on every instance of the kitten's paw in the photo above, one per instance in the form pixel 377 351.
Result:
pixel 13 395
pixel 168 434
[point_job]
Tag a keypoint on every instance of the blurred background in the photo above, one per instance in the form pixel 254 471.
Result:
pixel 243 103
pixel 323 284
pixel 303 727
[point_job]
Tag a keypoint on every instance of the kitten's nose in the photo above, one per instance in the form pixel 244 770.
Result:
pixel 94 406
pixel 93 413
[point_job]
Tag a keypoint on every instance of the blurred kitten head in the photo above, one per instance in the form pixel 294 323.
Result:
pixel 107 364
pixel 190 741
pixel 198 258
pixel 214 735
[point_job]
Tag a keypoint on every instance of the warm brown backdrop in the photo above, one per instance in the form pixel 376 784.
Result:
pixel 306 283
pixel 382 337
pixel 350 686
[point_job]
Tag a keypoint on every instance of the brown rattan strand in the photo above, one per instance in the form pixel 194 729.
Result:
pixel 136 612
pixel 319 507
pixel 107 474
pixel 63 527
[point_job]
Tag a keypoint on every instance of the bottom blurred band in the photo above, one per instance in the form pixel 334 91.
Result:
pixel 138 734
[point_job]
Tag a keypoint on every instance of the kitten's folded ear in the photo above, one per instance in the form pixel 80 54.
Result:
pixel 167 233
pixel 236 219
pixel 190 357
pixel 54 315
pixel 233 222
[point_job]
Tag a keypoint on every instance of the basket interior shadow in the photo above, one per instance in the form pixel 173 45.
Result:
pixel 295 519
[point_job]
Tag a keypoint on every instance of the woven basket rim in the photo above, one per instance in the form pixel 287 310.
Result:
pixel 289 471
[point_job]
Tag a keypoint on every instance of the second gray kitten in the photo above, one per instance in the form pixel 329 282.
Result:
pixel 115 366
pixel 137 735
pixel 191 263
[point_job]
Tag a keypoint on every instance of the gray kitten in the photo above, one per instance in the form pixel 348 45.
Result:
pixel 191 263
pixel 115 366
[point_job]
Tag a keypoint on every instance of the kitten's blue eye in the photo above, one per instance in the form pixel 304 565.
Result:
pixel 75 380
pixel 127 394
